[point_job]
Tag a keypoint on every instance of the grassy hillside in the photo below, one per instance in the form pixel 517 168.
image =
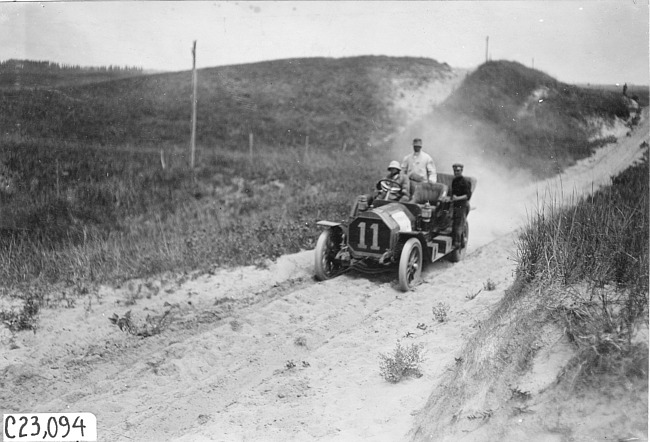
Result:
pixel 639 93
pixel 333 101
pixel 84 194
pixel 106 217
pixel 536 121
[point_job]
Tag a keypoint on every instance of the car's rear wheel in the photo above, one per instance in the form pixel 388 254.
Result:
pixel 410 264
pixel 327 247
pixel 458 253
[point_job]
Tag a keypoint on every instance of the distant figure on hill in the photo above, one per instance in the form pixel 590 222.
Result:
pixel 461 192
pixel 419 166
pixel 625 89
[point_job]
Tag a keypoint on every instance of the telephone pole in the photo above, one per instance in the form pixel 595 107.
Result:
pixel 194 99
pixel 487 43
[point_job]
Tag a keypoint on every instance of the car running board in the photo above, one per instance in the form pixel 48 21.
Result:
pixel 439 246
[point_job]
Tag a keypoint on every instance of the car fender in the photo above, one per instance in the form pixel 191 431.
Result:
pixel 405 236
pixel 333 225
pixel 427 248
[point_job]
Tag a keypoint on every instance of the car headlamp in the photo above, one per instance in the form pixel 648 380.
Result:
pixel 363 203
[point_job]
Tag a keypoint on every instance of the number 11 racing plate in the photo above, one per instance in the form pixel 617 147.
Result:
pixel 31 427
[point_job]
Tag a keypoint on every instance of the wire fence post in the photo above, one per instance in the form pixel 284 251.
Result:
pixel 58 189
pixel 250 146
pixel 194 99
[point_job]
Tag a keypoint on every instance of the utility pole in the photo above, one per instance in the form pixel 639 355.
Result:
pixel 533 62
pixel 487 42
pixel 194 99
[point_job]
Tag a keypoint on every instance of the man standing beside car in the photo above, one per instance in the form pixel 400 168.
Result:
pixel 419 166
pixel 461 192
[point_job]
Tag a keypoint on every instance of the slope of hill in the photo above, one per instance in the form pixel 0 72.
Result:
pixel 335 102
pixel 639 93
pixel 62 188
pixel 523 118
pixel 564 354
pixel 29 74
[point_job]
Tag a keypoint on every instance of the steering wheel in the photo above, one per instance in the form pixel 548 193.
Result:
pixel 389 187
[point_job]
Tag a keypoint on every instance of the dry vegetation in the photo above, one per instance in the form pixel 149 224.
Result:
pixel 582 278
pixel 403 362
pixel 600 246
pixel 108 217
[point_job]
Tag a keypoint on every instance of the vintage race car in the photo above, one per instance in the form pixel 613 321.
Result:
pixel 388 233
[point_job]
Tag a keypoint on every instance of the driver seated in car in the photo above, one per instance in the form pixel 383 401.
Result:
pixel 388 188
pixel 389 191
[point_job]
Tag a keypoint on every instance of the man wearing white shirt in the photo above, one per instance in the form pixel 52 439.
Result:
pixel 418 166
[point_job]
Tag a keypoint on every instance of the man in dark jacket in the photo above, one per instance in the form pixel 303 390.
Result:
pixel 461 192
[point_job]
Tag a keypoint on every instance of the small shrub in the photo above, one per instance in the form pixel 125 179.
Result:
pixel 300 341
pixel 403 362
pixel 490 285
pixel 440 311
pixel 481 414
pixel 25 319
pixel 153 325
pixel 520 395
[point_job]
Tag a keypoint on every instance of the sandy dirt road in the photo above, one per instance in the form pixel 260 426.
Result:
pixel 269 353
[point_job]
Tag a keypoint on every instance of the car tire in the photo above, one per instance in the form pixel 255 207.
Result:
pixel 325 266
pixel 410 264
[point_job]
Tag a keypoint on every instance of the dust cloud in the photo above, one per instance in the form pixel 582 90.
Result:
pixel 499 203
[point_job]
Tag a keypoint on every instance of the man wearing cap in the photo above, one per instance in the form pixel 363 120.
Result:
pixel 418 166
pixel 461 192
pixel 395 174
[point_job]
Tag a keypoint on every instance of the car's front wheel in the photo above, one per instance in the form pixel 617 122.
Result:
pixel 325 265
pixel 410 264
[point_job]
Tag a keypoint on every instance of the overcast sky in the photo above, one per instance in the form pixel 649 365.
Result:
pixel 576 42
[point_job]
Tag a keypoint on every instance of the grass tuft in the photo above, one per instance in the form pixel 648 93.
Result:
pixel 24 319
pixel 596 252
pixel 440 312
pixel 403 362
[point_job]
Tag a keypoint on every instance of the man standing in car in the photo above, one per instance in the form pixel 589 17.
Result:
pixel 418 166
pixel 461 192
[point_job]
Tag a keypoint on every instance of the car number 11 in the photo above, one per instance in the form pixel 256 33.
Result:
pixel 375 236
